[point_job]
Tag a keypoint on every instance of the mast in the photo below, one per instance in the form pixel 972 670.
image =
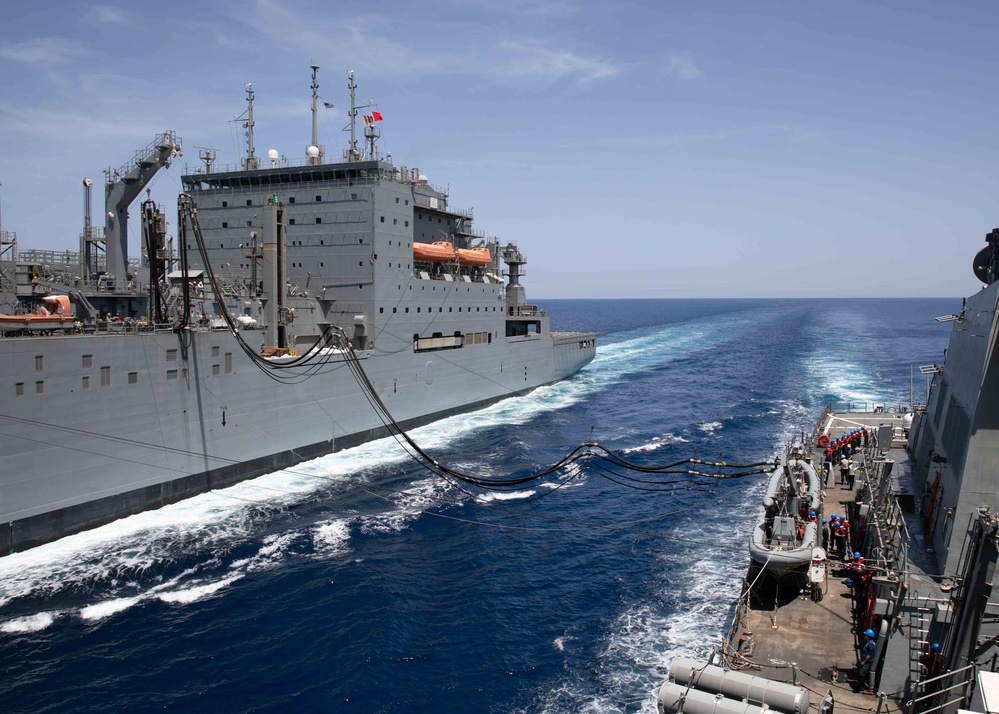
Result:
pixel 353 155
pixel 313 152
pixel 250 162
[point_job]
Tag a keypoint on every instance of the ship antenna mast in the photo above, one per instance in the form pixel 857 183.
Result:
pixel 314 152
pixel 353 155
pixel 250 162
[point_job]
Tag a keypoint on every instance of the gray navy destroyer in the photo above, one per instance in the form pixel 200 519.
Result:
pixel 307 306
pixel 897 608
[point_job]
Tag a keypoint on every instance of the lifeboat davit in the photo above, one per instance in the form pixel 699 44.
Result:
pixel 56 315
pixel 437 252
pixel 474 257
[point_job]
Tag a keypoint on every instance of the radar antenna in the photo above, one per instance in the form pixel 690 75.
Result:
pixel 208 155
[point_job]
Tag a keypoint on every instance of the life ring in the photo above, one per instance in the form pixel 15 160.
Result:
pixel 824 440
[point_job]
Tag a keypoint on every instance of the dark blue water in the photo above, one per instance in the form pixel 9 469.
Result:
pixel 359 583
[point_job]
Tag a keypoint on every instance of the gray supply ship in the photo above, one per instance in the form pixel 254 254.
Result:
pixel 903 614
pixel 305 308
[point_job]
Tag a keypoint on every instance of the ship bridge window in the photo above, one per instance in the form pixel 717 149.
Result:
pixel 319 219
pixel 225 204
pixel 291 221
pixel 225 224
pixel 318 199
pixel 291 199
pixel 249 202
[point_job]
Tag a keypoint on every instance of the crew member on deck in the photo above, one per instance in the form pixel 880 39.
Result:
pixel 866 659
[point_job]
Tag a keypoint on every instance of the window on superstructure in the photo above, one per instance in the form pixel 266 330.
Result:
pixel 249 202
pixel 395 221
pixel 407 224
pixel 106 376
pixel 225 204
pixel 353 197
pixel 291 221
pixel 133 377
pixel 319 219
pixel 318 199
pixel 291 199
pixel 407 201
pixel 38 363
pixel 19 389
pixel 215 350
pixel 225 224
pixel 382 220
pixel 88 361
pixel 171 374
pixel 397 199
pixel 216 370
pixel 86 381
pixel 228 362
pixel 393 310
pixel 39 387
pixel 381 310
pixel 171 355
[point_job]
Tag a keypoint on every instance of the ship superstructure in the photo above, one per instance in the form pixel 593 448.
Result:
pixel 230 353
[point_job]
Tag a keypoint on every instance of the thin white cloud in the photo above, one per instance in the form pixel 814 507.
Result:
pixel 681 66
pixel 524 58
pixel 43 51
pixel 107 15
pixel 374 38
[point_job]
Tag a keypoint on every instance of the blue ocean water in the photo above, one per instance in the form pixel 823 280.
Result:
pixel 359 583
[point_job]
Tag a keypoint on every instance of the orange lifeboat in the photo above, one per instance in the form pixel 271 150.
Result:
pixel 437 252
pixel 474 257
pixel 58 315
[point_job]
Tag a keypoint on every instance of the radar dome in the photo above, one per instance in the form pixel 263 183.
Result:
pixel 312 152
pixel 423 178
pixel 273 155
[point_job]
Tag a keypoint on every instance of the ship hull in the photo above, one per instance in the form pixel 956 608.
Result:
pixel 113 425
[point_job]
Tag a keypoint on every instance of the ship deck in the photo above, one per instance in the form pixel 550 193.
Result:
pixel 823 639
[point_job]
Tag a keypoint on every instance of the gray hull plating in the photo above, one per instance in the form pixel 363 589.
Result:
pixel 165 416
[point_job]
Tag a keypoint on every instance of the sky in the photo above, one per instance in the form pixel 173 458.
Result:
pixel 631 149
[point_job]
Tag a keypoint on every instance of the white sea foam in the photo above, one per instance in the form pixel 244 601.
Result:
pixel 493 496
pixel 197 592
pixel 101 610
pixel 332 537
pixel 710 427
pixel 657 442
pixel 29 623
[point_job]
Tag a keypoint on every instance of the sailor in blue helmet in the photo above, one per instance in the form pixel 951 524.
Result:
pixel 825 535
pixel 866 658
pixel 934 667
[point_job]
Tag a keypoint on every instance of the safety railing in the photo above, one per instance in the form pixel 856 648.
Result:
pixel 933 688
